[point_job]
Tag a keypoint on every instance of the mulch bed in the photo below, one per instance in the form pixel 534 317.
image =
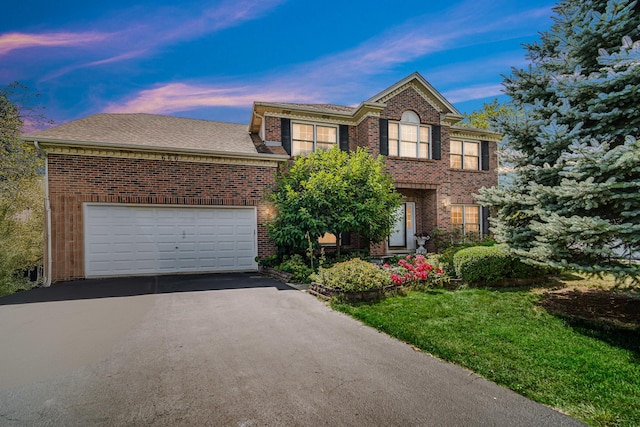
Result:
pixel 595 305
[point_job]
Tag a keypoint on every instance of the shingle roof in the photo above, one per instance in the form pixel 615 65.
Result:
pixel 153 131
pixel 318 107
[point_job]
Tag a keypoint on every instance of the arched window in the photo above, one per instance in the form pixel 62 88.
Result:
pixel 408 138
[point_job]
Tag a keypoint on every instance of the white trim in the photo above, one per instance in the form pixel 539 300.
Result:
pixel 77 147
pixel 48 259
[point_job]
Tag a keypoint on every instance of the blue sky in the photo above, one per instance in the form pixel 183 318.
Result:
pixel 212 59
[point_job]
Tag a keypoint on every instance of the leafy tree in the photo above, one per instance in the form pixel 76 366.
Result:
pixel 487 115
pixel 574 199
pixel 21 190
pixel 333 192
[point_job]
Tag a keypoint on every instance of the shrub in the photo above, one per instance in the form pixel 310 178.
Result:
pixel 490 264
pixel 415 272
pixel 298 268
pixel 446 257
pixel 268 261
pixel 353 275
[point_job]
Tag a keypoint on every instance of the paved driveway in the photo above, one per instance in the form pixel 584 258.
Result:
pixel 226 349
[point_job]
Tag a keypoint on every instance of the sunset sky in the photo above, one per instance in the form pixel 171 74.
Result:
pixel 212 59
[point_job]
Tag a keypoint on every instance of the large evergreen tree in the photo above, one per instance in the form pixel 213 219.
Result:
pixel 575 199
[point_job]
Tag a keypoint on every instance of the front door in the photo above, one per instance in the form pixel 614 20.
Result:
pixel 403 233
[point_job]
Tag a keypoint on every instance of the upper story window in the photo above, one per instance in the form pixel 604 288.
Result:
pixel 310 137
pixel 465 155
pixel 408 138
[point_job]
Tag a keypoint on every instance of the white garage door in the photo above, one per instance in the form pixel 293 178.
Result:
pixel 129 240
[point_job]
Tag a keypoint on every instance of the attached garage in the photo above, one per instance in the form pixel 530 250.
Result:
pixel 127 240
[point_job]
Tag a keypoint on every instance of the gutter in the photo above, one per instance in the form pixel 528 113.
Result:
pixel 47 207
pixel 156 149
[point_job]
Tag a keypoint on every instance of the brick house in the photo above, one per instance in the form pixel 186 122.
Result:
pixel 132 194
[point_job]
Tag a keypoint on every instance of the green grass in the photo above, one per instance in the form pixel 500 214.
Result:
pixel 588 372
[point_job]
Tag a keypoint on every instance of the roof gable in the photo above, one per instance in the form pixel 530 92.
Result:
pixel 422 87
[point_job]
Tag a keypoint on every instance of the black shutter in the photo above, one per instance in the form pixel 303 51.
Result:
pixel 346 238
pixel 437 145
pixel 286 134
pixel 344 137
pixel 384 137
pixel 485 220
pixel 484 153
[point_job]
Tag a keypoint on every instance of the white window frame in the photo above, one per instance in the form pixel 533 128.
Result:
pixel 463 225
pixel 462 155
pixel 296 151
pixel 395 150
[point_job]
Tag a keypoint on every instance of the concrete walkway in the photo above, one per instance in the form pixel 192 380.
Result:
pixel 227 349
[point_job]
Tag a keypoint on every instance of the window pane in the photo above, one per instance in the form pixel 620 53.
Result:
pixel 409 133
pixel 408 149
pixel 424 151
pixel 456 147
pixel 304 132
pixel 410 116
pixel 424 134
pixel 302 147
pixel 456 215
pixel 327 239
pixel 325 146
pixel 472 214
pixel 393 147
pixel 326 134
pixel 471 162
pixel 471 149
pixel 393 131
pixel 456 161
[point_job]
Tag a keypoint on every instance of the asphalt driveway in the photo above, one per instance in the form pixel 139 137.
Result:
pixel 225 349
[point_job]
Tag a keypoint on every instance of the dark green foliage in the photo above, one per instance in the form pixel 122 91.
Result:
pixel 296 265
pixel 269 261
pixel 354 275
pixel 333 192
pixel 491 264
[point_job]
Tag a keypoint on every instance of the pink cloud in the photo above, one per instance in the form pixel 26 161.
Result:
pixel 176 97
pixel 14 41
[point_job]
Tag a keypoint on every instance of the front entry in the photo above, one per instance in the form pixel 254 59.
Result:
pixel 402 236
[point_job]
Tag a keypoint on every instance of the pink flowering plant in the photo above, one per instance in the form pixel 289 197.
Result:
pixel 415 271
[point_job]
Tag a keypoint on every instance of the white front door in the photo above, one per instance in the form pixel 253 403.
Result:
pixel 403 234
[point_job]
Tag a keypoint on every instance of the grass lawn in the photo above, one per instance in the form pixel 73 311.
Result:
pixel 589 370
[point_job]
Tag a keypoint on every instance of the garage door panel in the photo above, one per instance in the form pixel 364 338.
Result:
pixel 129 240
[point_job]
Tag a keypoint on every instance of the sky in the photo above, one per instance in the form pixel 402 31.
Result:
pixel 213 59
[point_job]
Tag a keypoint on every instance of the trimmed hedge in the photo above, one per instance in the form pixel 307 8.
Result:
pixel 490 265
pixel 354 275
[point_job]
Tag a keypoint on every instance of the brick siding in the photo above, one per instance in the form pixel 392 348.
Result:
pixel 74 180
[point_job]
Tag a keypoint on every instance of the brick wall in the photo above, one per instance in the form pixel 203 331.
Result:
pixel 272 129
pixel 432 184
pixel 77 179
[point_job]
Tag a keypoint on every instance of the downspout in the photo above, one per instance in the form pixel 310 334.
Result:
pixel 47 209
